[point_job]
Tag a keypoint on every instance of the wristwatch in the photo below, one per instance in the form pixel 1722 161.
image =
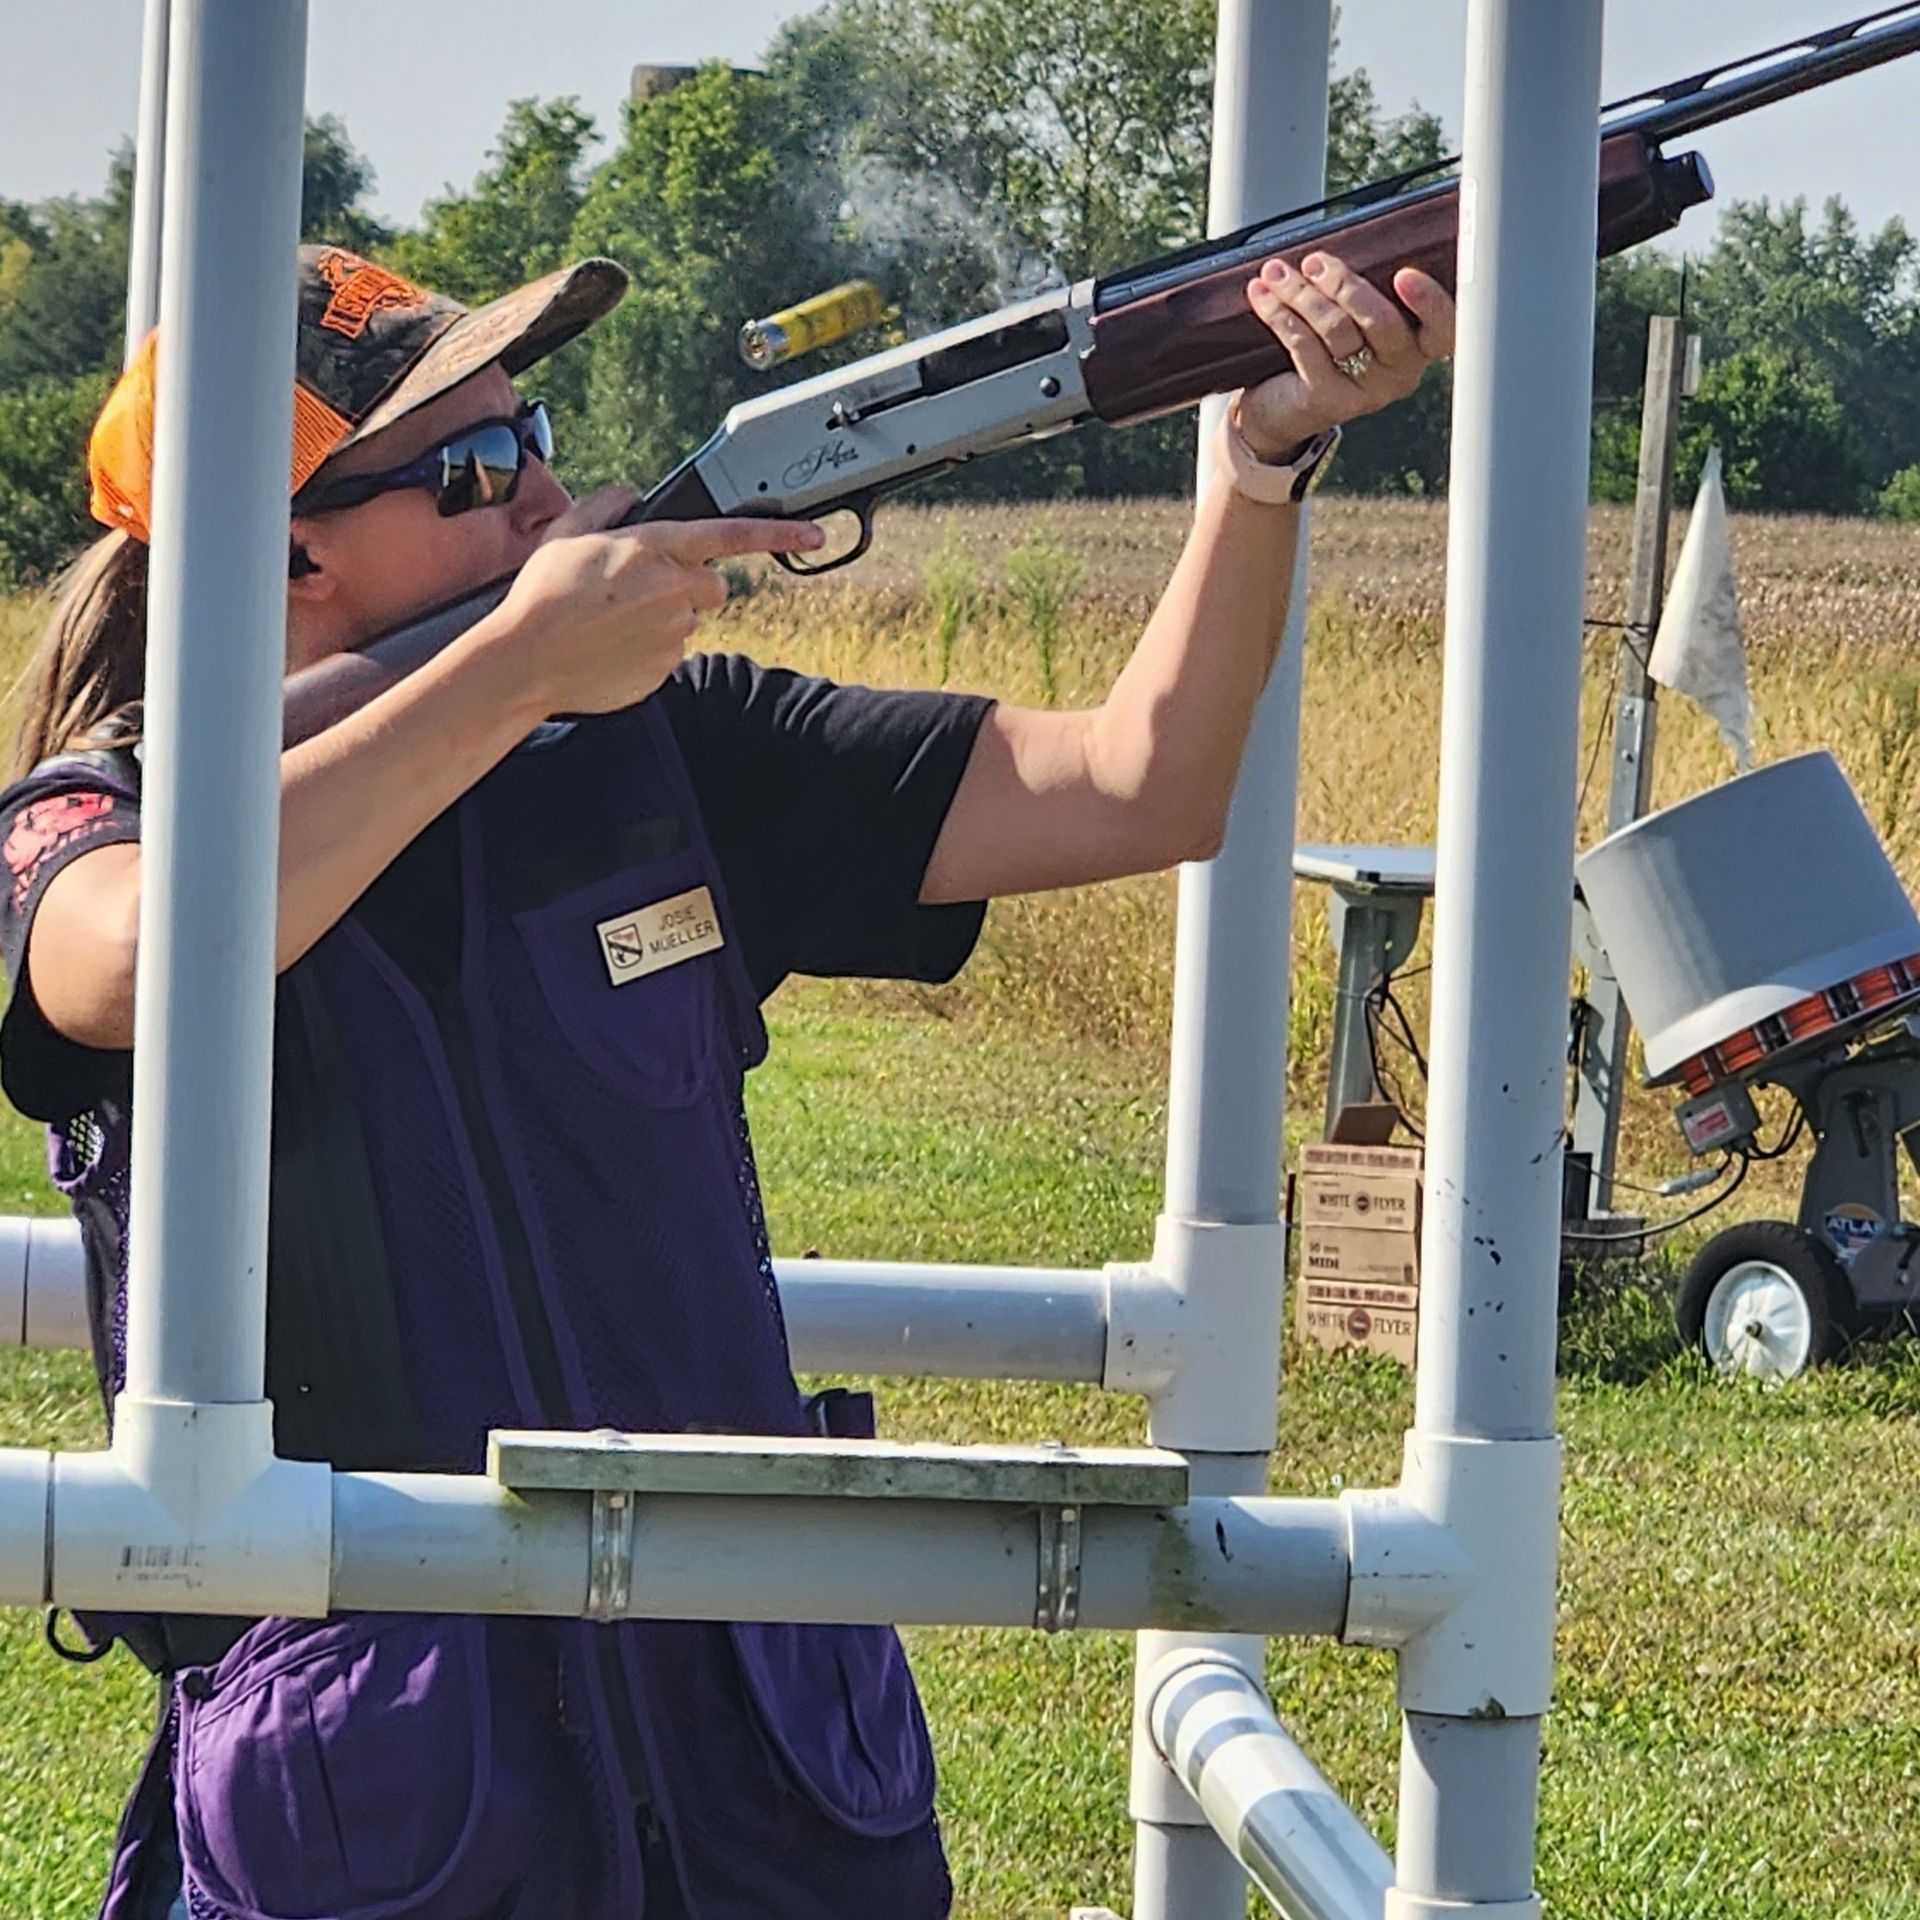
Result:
pixel 1274 483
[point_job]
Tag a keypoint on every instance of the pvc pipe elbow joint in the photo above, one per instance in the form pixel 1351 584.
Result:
pixel 1197 1330
pixel 1489 1654
pixel 1406 1572
pixel 191 1512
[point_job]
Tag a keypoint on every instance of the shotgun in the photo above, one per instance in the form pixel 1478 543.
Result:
pixel 1123 347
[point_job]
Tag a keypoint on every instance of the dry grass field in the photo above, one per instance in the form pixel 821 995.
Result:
pixel 1832 617
pixel 1832 612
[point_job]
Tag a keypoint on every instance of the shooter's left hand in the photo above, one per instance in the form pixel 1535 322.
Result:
pixel 1354 351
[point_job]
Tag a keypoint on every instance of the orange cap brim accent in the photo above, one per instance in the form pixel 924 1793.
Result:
pixel 120 452
pixel 317 430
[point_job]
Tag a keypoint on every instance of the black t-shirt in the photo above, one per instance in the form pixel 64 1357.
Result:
pixel 822 803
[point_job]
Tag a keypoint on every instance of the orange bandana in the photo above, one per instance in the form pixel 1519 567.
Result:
pixel 120 453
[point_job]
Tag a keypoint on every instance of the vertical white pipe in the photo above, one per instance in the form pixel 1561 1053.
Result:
pixel 1497 1100
pixel 1509 719
pixel 149 178
pixel 216 654
pixel 1226 1097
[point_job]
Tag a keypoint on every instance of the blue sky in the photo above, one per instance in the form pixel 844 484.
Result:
pixel 425 110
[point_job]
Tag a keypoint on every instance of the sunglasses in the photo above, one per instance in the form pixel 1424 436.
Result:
pixel 478 467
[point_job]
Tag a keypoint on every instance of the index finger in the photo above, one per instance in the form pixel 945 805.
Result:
pixel 696 542
pixel 594 514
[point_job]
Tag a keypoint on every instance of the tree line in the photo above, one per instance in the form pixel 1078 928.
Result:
pixel 961 153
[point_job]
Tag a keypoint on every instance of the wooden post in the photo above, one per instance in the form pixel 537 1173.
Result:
pixel 1603 1056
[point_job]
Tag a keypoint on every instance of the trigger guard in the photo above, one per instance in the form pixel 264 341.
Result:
pixel 863 511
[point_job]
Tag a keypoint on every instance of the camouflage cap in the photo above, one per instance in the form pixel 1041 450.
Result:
pixel 370 348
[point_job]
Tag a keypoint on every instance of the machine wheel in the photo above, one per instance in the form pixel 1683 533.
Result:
pixel 1765 1299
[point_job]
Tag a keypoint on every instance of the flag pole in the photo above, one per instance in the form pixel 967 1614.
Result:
pixel 1605 1026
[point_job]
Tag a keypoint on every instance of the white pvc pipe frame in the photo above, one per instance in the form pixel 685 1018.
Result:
pixel 1227 1085
pixel 1455 1568
pixel 1301 1844
pixel 843 1316
pixel 149 176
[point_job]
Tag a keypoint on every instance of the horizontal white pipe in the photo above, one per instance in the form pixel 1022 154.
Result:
pixel 465 1544
pixel 43 1283
pixel 843 1316
pixel 15 1240
pixel 427 1543
pixel 953 1322
pixel 26 1526
pixel 456 1544
pixel 1277 1813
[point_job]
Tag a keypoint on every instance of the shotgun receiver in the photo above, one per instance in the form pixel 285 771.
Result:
pixel 1127 346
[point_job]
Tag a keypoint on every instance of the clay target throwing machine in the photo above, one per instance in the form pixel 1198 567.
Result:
pixel 1762 939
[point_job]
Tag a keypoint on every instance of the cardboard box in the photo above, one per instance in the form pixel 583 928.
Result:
pixel 1359 1256
pixel 1341 1156
pixel 1345 1184
pixel 1377 1202
pixel 1383 1320
pixel 1359 1293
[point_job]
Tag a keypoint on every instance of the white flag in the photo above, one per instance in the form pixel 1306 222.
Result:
pixel 1698 650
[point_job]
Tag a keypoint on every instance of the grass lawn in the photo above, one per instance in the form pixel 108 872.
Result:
pixel 1737 1731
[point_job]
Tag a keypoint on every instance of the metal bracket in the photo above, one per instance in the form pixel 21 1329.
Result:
pixel 610 1555
pixel 1056 1602
pixel 761 1465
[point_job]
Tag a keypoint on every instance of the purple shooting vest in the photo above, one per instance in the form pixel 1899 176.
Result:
pixel 573 1227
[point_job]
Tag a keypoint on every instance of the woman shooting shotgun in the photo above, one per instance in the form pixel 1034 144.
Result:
pixel 520 980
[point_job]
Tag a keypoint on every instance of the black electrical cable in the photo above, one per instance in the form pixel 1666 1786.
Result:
pixel 1640 1186
pixel 1638 642
pixel 1380 997
pixel 1787 1141
pixel 1370 1004
pixel 1601 735
pixel 1636 629
pixel 1740 1161
pixel 1406 1034
pixel 1383 992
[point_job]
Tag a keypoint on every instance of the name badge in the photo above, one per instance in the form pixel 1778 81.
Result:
pixel 649 938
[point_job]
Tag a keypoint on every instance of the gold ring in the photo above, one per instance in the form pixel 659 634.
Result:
pixel 1355 365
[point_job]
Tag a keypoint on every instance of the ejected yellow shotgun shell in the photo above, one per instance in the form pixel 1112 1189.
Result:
pixel 814 323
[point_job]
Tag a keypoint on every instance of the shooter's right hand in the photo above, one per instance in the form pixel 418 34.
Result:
pixel 602 613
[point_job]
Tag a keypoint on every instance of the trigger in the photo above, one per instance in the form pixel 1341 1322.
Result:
pixel 862 510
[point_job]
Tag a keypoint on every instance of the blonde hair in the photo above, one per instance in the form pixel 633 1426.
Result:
pixel 90 668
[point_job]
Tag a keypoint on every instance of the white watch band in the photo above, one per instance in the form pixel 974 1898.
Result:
pixel 1271 484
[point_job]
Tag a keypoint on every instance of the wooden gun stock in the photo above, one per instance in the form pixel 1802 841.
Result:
pixel 1172 348
pixel 1161 350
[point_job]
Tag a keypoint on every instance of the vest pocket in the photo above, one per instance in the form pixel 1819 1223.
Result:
pixel 652 1031
pixel 349 1768
pixel 839 1707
